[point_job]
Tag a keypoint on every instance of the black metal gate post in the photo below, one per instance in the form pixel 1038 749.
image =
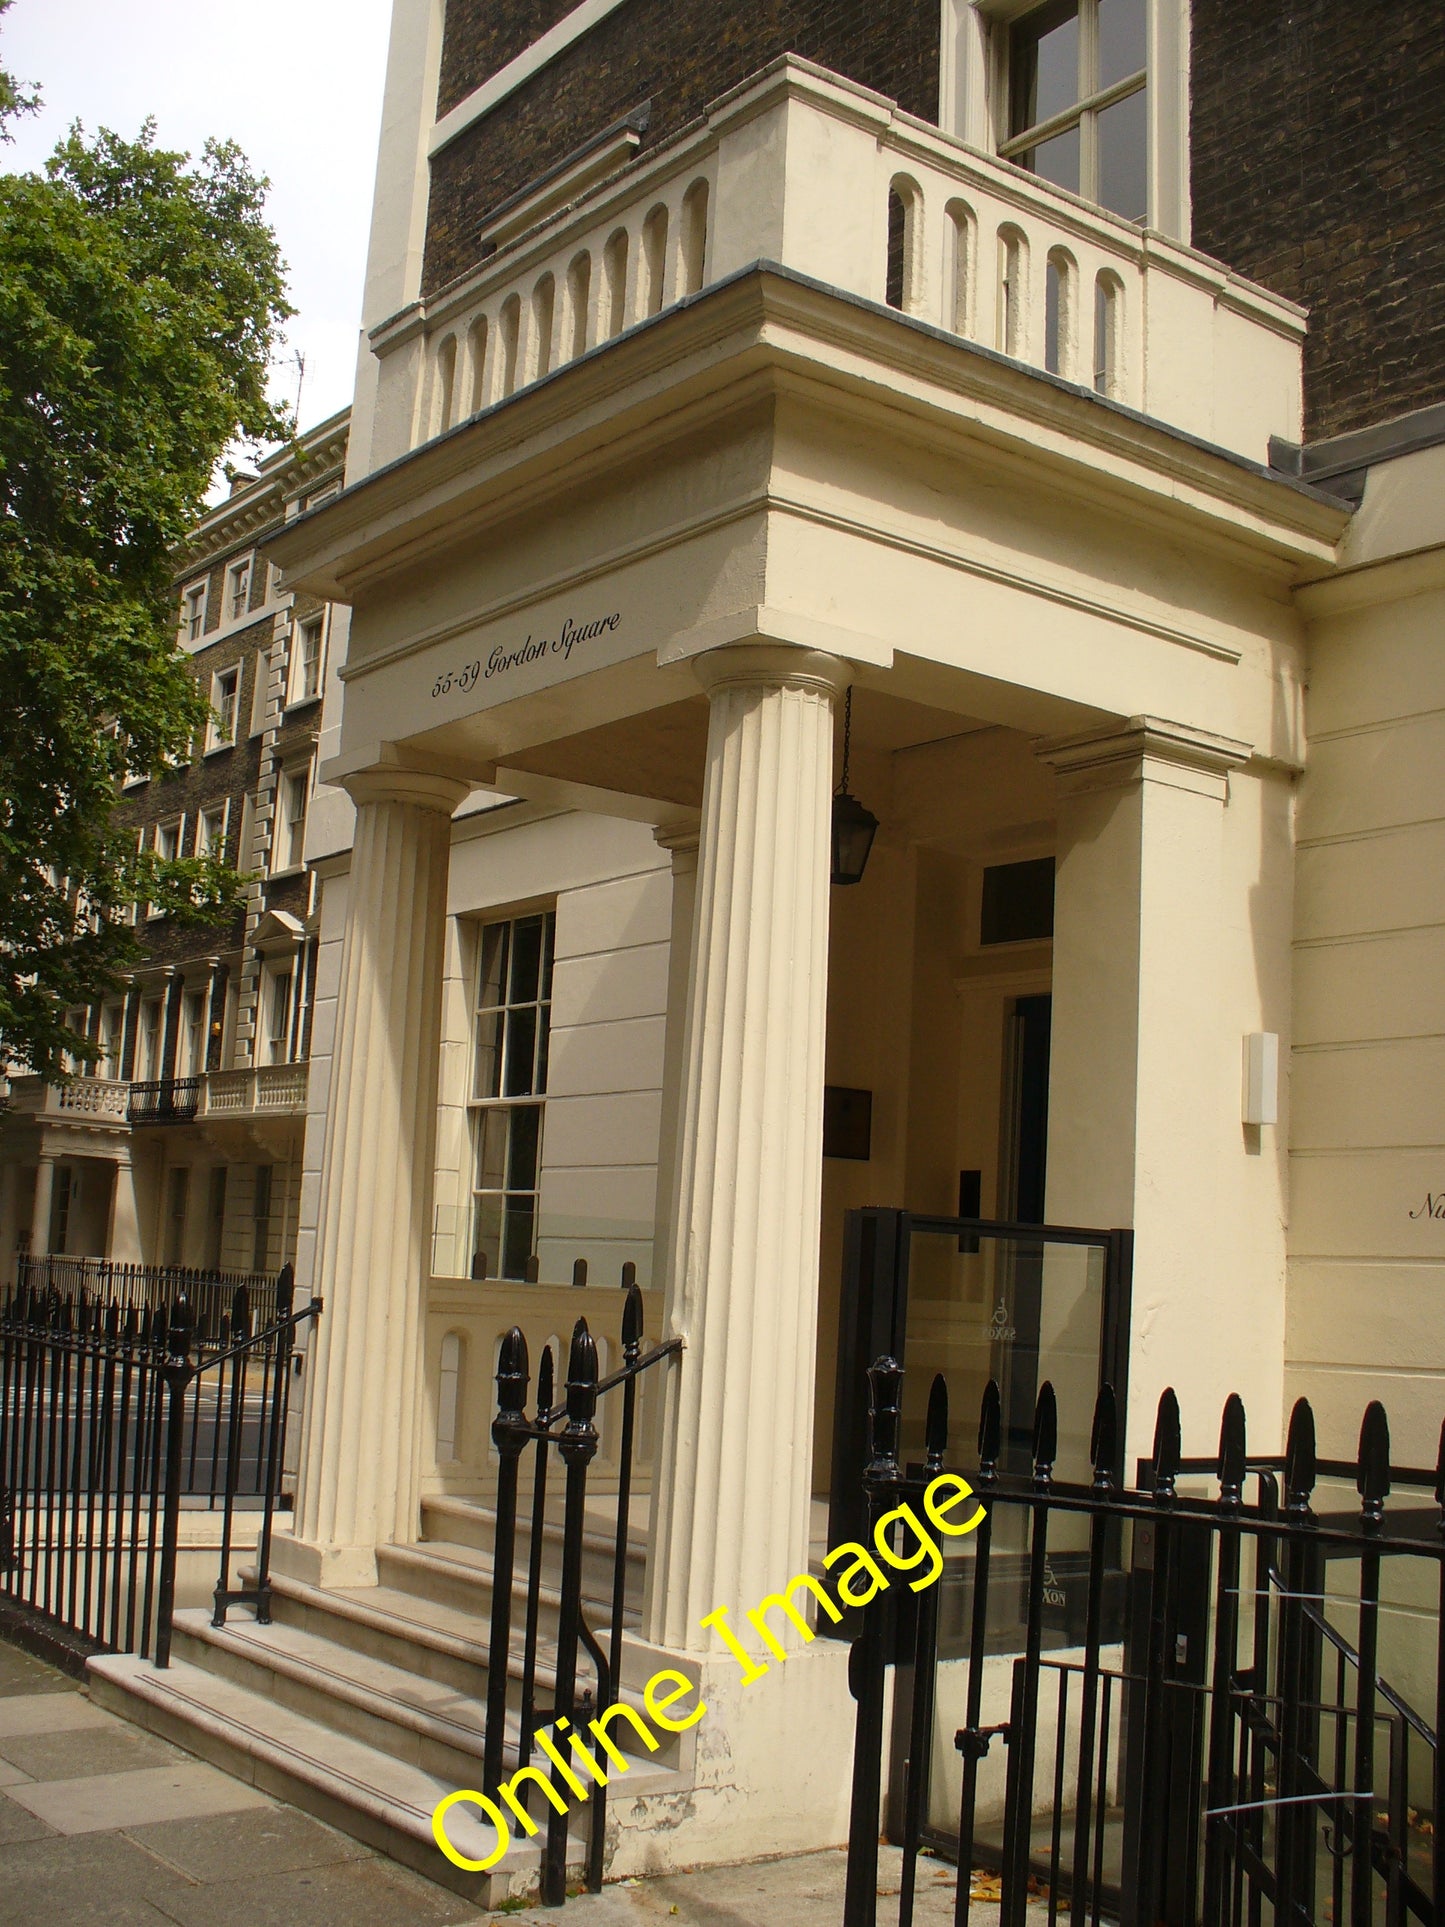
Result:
pixel 578 1446
pixel 510 1434
pixel 177 1373
pixel 868 1661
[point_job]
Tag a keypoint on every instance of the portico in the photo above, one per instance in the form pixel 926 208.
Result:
pixel 1070 634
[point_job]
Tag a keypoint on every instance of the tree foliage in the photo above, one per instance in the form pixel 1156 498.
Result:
pixel 139 299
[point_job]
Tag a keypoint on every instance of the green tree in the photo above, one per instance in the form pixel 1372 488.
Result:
pixel 139 301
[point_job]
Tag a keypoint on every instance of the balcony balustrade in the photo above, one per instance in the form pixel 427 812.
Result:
pixel 810 172
pixel 270 1090
pixel 84 1100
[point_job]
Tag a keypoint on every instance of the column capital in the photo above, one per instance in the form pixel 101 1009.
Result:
pixel 425 789
pixel 770 665
pixel 679 834
pixel 1117 755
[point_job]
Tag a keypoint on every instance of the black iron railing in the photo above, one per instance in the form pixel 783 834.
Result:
pixel 109 1423
pixel 1214 1746
pixel 570 1430
pixel 165 1100
pixel 103 1282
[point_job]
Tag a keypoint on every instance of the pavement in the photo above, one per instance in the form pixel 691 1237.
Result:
pixel 102 1825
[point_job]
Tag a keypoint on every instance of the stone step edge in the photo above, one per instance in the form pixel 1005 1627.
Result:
pixel 240 1637
pixel 445 1565
pixel 138 1679
pixel 245 1638
pixel 597 1542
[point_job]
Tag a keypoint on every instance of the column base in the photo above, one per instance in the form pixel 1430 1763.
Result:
pixel 317 1565
pixel 767 1769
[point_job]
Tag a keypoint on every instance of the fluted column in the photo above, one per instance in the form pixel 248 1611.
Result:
pixel 359 1456
pixel 732 1495
pixel 41 1208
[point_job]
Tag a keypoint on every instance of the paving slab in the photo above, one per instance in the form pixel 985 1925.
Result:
pixel 22 1673
pixel 90 1881
pixel 22 1714
pixel 17 1823
pixel 356 1893
pixel 103 1801
pixel 232 1846
pixel 76 1755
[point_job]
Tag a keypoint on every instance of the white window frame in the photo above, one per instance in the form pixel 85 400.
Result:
pixel 110 1036
pixel 191 1038
pixel 242 567
pixel 206 845
pixel 285 969
pixel 195 609
pixel 974 94
pixel 320 624
pixel 151 1072
pixel 214 739
pixel 285 862
pixel 484 1105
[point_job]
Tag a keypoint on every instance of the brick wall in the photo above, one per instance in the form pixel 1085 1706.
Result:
pixel 680 54
pixel 1318 131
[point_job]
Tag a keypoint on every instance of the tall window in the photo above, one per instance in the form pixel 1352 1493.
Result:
pixel 276 1013
pixel 306 664
pixel 289 842
pixel 261 1218
pixel 513 1017
pixel 1077 100
pixel 238 589
pixel 193 1034
pixel 225 695
pixel 211 832
pixel 193 612
pixel 215 1217
pixel 178 1188
pixel 112 1032
pixel 148 1045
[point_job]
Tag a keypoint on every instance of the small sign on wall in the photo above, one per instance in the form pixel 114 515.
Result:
pixel 847 1123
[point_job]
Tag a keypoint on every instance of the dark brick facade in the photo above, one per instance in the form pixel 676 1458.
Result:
pixel 1318 134
pixel 680 54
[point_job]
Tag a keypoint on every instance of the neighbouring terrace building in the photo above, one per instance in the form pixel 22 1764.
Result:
pixel 182 1144
pixel 1053 399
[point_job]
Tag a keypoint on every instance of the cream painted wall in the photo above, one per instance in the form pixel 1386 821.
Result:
pixel 1367 1257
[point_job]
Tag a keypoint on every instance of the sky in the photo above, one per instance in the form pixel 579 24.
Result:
pixel 296 82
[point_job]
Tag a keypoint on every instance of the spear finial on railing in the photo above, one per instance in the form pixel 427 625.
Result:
pixel 1046 1434
pixel 1233 1453
pixel 580 1434
pixel 631 1320
pixel 546 1376
pixel 1372 1481
pixel 990 1431
pixel 1168 1445
pixel 240 1315
pixel 935 1430
pixel 1104 1439
pixel 1300 1465
pixel 178 1339
pixel 285 1291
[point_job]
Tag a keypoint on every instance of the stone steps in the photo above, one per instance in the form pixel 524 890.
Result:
pixel 373 1796
pixel 366 1705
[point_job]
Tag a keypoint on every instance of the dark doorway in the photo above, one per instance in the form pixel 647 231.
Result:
pixel 1026 1110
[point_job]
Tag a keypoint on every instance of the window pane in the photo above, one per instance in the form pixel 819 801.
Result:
pixel 1043 65
pixel 526 961
pixel 1056 160
pixel 1123 39
pixel 494 964
pixel 522 1165
pixel 549 937
pixel 489 1057
pixel 517 1237
pixel 544 1038
pixel 521 1051
pixel 487 1238
pixel 492 1150
pixel 1123 157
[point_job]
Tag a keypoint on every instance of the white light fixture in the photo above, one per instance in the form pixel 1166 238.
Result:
pixel 1261 1077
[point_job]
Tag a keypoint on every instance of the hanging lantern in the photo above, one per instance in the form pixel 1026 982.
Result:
pixel 854 825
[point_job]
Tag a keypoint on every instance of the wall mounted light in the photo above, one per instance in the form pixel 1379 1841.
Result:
pixel 854 825
pixel 1261 1077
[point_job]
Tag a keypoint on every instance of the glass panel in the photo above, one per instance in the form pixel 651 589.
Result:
pixel 525 1133
pixel 1044 65
pixel 1056 160
pixel 517 1236
pixel 494 964
pixel 489 1056
pixel 1123 39
pixel 549 936
pixel 544 1038
pixel 1124 157
pixel 521 1051
pixel 487 1238
pixel 492 1150
pixel 526 961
